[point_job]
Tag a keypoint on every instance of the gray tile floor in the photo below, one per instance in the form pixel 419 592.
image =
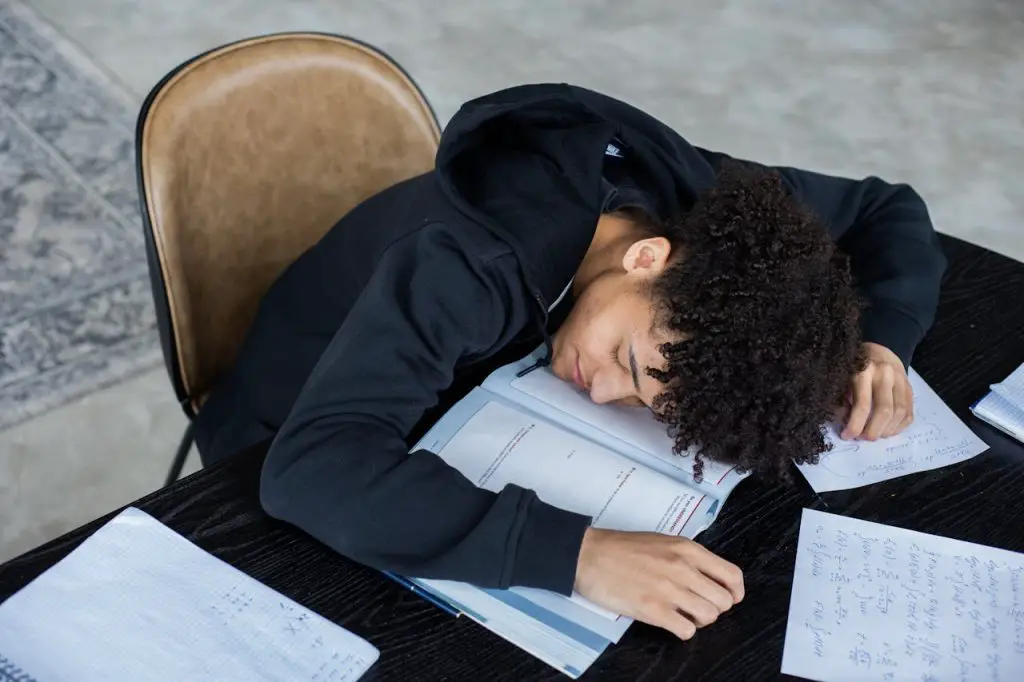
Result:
pixel 929 93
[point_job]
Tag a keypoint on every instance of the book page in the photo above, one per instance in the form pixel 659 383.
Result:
pixel 936 438
pixel 875 602
pixel 499 445
pixel 634 426
pixel 136 602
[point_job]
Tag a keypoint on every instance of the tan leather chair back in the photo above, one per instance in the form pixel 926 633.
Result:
pixel 247 155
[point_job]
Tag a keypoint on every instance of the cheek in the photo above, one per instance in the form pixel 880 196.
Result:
pixel 582 321
pixel 599 321
pixel 601 336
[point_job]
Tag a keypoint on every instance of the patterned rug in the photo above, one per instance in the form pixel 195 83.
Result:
pixel 75 304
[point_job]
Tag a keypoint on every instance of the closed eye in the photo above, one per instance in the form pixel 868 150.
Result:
pixel 633 370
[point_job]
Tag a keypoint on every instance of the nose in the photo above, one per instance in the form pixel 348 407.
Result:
pixel 606 387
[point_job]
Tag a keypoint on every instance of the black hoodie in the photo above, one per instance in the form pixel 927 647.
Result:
pixel 438 278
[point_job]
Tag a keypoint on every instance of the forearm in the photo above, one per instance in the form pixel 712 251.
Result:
pixel 898 266
pixel 895 257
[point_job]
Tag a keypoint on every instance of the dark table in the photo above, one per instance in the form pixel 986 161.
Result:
pixel 978 339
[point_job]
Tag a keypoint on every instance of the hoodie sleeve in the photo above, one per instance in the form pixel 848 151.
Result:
pixel 895 256
pixel 340 469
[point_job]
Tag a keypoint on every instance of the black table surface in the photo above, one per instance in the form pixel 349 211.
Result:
pixel 977 340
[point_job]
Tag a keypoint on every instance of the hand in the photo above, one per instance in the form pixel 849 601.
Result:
pixel 665 581
pixel 881 401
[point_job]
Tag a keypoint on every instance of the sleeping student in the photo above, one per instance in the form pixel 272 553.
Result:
pixel 743 304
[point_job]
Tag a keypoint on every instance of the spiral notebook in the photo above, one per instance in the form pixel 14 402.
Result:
pixel 136 602
pixel 1003 406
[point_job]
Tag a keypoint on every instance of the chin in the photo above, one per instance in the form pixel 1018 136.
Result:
pixel 556 368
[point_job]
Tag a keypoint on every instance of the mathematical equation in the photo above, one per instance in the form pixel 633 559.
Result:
pixel 873 604
pixel 936 438
pixel 291 626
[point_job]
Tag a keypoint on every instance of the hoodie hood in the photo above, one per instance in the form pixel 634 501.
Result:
pixel 528 163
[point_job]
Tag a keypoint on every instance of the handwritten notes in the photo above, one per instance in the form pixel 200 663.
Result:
pixel 137 602
pixel 935 439
pixel 874 602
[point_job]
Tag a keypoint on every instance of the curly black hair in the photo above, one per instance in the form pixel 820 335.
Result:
pixel 768 318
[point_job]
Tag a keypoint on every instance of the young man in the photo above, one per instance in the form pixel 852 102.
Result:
pixel 657 273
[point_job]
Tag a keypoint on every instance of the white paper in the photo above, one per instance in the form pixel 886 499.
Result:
pixel 136 602
pixel 633 425
pixel 873 602
pixel 935 438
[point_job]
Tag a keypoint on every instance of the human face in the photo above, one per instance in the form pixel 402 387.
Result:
pixel 608 341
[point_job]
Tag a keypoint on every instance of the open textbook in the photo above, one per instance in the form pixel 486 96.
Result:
pixel 612 463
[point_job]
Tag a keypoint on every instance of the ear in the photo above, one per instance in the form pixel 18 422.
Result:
pixel 647 257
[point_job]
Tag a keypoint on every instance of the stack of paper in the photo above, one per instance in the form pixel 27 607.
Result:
pixel 1003 407
pixel 137 602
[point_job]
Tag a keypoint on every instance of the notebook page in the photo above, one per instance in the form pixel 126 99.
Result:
pixel 936 438
pixel 1011 389
pixel 875 602
pixel 137 602
pixel 1002 414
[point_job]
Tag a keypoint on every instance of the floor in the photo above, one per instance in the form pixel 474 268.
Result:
pixel 928 93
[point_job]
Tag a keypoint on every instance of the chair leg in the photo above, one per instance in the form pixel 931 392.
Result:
pixel 180 456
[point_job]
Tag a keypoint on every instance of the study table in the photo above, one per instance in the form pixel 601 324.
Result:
pixel 977 340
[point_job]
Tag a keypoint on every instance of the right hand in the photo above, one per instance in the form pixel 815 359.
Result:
pixel 663 580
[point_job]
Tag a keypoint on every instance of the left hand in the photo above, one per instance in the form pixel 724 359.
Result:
pixel 881 401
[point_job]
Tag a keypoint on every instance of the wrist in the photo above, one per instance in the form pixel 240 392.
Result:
pixel 588 548
pixel 547 552
pixel 877 352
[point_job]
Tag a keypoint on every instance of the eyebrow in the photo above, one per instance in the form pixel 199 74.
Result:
pixel 633 370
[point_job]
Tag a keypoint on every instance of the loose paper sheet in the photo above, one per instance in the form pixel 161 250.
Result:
pixel 874 602
pixel 936 438
pixel 137 602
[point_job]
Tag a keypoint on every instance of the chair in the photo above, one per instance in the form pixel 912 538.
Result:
pixel 246 156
